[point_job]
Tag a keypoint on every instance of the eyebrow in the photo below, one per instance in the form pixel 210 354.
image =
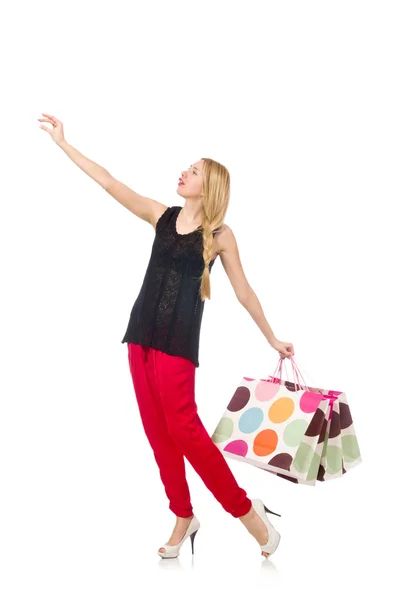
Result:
pixel 195 167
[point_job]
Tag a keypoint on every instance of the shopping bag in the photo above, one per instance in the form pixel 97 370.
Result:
pixel 341 451
pixel 300 433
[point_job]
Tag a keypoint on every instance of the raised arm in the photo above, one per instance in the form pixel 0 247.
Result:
pixel 145 208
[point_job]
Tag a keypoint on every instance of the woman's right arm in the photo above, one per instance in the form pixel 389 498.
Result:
pixel 145 208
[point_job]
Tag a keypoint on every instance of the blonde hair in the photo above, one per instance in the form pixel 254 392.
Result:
pixel 216 194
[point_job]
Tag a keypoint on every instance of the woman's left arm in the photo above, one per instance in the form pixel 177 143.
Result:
pixel 230 258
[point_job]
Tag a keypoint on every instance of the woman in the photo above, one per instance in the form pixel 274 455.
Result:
pixel 163 336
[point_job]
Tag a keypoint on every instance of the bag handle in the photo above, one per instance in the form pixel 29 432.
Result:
pixel 279 372
pixel 307 375
pixel 295 373
pixel 297 368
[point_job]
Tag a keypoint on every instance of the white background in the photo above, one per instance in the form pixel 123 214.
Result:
pixel 298 101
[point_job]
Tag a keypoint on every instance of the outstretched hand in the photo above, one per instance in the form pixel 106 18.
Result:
pixel 57 132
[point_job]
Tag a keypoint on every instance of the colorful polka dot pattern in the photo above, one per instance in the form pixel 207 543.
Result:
pixel 301 435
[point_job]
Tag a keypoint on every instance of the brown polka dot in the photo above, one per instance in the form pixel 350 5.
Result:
pixel 293 479
pixel 240 399
pixel 292 387
pixel 322 433
pixel 334 429
pixel 321 473
pixel 345 415
pixel 282 460
pixel 316 424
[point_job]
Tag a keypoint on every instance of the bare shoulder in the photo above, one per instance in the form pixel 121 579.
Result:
pixel 230 259
pixel 225 239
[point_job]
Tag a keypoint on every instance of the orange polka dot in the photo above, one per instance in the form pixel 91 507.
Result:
pixel 281 409
pixel 265 442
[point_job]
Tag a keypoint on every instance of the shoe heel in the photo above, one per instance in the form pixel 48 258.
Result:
pixel 270 511
pixel 192 540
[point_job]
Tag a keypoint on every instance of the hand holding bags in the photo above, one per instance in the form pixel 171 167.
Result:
pixel 300 433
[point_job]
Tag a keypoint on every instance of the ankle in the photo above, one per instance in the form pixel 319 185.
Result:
pixel 248 516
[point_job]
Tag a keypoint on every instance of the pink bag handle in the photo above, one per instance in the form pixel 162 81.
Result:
pixel 279 369
pixel 295 373
pixel 295 366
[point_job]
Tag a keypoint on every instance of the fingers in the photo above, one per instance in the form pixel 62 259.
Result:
pixel 46 128
pixel 46 121
pixel 50 117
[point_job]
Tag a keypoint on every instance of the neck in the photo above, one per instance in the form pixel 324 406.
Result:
pixel 191 212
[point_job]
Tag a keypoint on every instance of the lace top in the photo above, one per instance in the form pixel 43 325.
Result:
pixel 168 311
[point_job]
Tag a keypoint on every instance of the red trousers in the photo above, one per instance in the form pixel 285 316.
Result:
pixel 164 389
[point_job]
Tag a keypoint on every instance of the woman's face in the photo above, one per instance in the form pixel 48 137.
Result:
pixel 192 179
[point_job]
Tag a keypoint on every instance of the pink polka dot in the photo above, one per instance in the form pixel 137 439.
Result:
pixel 309 402
pixel 265 390
pixel 238 447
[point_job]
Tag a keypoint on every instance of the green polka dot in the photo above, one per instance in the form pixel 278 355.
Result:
pixel 350 448
pixel 223 431
pixel 294 432
pixel 334 459
pixel 323 446
pixel 303 458
pixel 314 466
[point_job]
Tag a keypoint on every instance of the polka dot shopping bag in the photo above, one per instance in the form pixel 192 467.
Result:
pixel 300 433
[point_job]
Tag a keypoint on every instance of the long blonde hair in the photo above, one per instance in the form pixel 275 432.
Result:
pixel 216 194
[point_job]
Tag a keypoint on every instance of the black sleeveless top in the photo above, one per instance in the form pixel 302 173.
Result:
pixel 168 311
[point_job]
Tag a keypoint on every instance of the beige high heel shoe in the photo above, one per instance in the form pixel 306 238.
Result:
pixel 274 537
pixel 173 551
